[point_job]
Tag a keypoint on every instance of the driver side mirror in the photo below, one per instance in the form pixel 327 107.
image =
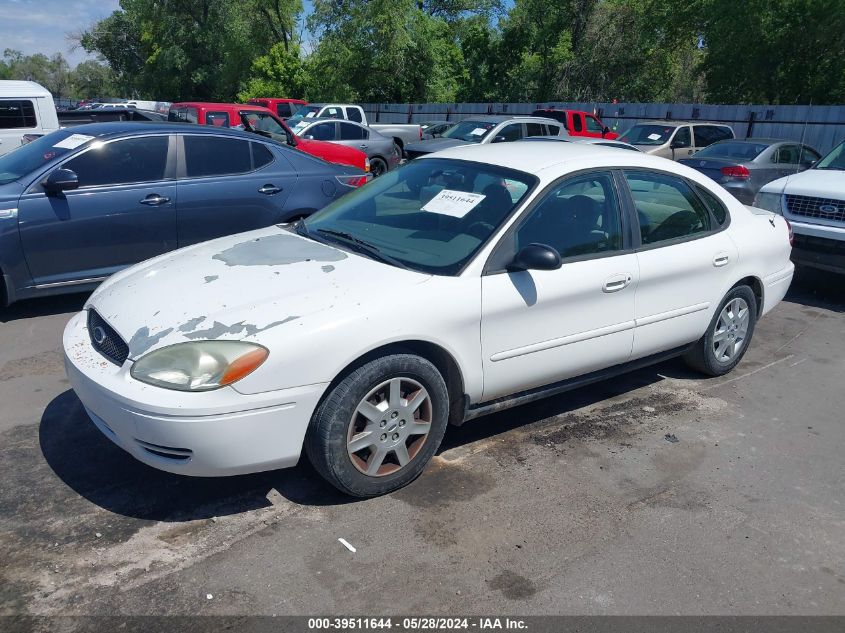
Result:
pixel 536 257
pixel 605 131
pixel 60 180
pixel 499 139
pixel 308 137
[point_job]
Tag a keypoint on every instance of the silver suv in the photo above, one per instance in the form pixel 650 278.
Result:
pixel 675 139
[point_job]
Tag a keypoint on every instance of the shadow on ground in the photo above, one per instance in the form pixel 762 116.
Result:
pixel 46 306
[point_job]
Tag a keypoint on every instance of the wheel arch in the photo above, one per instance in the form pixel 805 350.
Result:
pixel 438 356
pixel 756 286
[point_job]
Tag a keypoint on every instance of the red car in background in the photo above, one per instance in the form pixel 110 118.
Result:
pixel 260 120
pixel 578 123
pixel 285 108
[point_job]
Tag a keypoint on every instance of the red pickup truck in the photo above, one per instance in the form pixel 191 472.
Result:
pixel 260 120
pixel 578 123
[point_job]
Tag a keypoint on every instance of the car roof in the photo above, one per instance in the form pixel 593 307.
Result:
pixel 678 123
pixel 15 88
pixel 219 106
pixel 549 160
pixel 116 128
pixel 757 141
pixel 499 118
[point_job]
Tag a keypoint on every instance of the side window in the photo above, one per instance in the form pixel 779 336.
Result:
pixel 553 130
pixel 354 114
pixel 667 208
pixel 352 132
pixel 788 155
pixel 284 110
pixel 512 132
pixel 260 155
pixel 593 125
pixel 714 204
pixel 535 129
pixel 578 217
pixel 682 137
pixel 808 156
pixel 191 115
pixel 176 115
pixel 724 133
pixel 215 156
pixel 577 123
pixel 121 162
pixel 217 119
pixel 707 135
pixel 17 114
pixel 322 132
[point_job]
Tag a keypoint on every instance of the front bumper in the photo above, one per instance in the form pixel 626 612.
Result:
pixel 207 434
pixel 818 246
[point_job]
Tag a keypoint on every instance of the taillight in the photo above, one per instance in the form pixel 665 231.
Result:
pixel 421 132
pixel 791 233
pixel 736 171
pixel 355 180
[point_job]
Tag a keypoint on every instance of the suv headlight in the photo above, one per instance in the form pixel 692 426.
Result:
pixel 768 201
pixel 200 365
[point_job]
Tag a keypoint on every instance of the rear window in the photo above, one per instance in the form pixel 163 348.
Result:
pixel 735 150
pixel 217 119
pixel 18 113
pixel 183 115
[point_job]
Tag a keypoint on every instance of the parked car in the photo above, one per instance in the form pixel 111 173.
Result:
pixel 80 204
pixel 26 108
pixel 742 167
pixel 262 121
pixel 383 153
pixel 435 129
pixel 518 272
pixel 583 140
pixel 814 204
pixel 285 108
pixel 488 129
pixel 72 118
pixel 401 134
pixel 675 139
pixel 578 123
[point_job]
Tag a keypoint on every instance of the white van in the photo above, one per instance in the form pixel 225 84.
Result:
pixel 25 108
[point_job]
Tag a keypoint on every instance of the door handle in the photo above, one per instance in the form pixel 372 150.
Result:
pixel 721 259
pixel 363 146
pixel 269 190
pixel 617 282
pixel 154 200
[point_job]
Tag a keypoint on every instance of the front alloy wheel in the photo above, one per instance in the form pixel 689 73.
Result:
pixel 731 331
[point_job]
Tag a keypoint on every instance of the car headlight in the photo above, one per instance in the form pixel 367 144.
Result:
pixel 768 201
pixel 199 365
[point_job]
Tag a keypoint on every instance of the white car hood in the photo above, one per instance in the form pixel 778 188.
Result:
pixel 237 287
pixel 820 183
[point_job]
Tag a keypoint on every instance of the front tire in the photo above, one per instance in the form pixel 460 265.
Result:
pixel 377 167
pixel 728 335
pixel 377 428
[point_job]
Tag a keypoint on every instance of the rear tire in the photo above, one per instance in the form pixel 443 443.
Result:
pixel 728 335
pixel 377 167
pixel 376 430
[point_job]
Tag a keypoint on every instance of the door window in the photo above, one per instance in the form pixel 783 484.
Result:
pixel 322 132
pixel 667 207
pixel 352 132
pixel 261 155
pixel 593 125
pixel 511 132
pixel 284 110
pixel 788 155
pixel 808 156
pixel 682 137
pixel 579 217
pixel 354 114
pixel 216 156
pixel 553 130
pixel 577 123
pixel 17 114
pixel 217 119
pixel 125 161
pixel 535 129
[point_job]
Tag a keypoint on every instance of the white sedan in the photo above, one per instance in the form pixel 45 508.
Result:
pixel 462 283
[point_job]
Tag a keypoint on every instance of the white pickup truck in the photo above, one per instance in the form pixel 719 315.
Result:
pixel 814 203
pixel 26 110
pixel 402 134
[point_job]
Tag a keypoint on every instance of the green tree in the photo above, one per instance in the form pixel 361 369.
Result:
pixel 280 73
pixel 51 72
pixel 92 79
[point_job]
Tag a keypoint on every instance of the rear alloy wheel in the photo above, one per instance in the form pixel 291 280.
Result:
pixel 377 167
pixel 377 428
pixel 728 336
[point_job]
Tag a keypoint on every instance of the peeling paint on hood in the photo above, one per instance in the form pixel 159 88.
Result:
pixel 278 250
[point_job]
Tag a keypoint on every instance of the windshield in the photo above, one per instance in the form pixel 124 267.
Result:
pixel 264 124
pixel 647 134
pixel 834 160
pixel 27 158
pixel 305 112
pixel 472 131
pixel 431 215
pixel 732 149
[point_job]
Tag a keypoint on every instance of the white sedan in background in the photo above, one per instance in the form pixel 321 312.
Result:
pixel 464 282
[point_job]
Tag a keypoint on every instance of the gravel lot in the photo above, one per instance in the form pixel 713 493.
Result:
pixel 577 504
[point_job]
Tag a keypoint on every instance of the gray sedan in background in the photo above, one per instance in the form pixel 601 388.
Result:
pixel 742 167
pixel 383 153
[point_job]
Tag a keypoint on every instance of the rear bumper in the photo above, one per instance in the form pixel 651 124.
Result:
pixel 741 190
pixel 775 287
pixel 821 247
pixel 208 434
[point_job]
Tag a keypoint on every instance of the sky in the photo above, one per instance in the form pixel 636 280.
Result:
pixel 41 26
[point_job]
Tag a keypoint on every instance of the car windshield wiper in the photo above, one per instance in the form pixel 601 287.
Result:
pixel 363 246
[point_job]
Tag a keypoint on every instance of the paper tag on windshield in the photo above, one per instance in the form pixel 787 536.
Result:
pixel 654 137
pixel 478 131
pixel 454 203
pixel 73 141
pixel 300 126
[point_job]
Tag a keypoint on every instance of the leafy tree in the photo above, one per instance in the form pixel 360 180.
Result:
pixel 50 72
pixel 280 73
pixel 92 79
